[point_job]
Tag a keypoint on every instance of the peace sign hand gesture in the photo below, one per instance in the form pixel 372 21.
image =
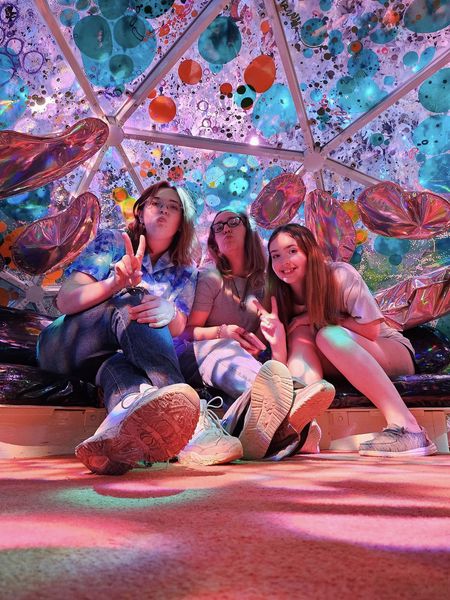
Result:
pixel 271 326
pixel 127 272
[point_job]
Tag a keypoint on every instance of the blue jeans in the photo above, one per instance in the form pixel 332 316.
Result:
pixel 103 338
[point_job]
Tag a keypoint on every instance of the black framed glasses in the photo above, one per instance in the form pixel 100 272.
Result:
pixel 232 222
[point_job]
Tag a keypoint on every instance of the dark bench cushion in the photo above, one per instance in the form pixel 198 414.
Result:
pixel 25 384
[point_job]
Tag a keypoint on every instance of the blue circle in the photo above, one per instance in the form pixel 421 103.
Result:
pixel 432 136
pixel 313 32
pixel 220 42
pixel 274 111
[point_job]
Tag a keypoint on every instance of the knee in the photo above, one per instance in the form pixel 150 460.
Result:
pixel 300 335
pixel 332 337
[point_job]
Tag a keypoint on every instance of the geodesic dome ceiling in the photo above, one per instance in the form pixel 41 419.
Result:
pixel 224 96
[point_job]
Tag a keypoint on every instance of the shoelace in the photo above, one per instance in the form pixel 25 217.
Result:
pixel 210 415
pixel 394 430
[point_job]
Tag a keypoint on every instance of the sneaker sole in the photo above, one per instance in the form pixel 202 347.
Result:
pixel 311 445
pixel 265 415
pixel 155 430
pixel 426 451
pixel 316 398
pixel 218 459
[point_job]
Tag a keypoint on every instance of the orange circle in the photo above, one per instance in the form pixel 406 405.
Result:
pixel 190 71
pixel 51 278
pixel 356 47
pixel 175 173
pixel 265 26
pixel 361 236
pixel 152 94
pixel 162 109
pixel 351 209
pixel 226 88
pixel 3 226
pixel 260 73
pixel 120 194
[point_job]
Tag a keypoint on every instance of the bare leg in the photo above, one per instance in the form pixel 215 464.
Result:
pixel 366 364
pixel 305 360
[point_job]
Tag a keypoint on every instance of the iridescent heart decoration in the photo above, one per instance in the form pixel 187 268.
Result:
pixel 29 162
pixel 417 300
pixel 55 241
pixel 331 225
pixel 279 201
pixel 389 210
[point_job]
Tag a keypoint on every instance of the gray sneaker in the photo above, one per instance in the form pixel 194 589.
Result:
pixel 398 441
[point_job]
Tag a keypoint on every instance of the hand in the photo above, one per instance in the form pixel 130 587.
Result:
pixel 300 320
pixel 246 339
pixel 127 272
pixel 154 310
pixel 271 326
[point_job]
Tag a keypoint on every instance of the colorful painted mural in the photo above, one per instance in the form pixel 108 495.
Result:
pixel 223 97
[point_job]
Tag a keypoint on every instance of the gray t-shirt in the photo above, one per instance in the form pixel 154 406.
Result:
pixel 358 302
pixel 221 298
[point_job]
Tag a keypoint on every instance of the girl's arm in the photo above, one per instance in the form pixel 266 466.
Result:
pixel 80 291
pixel 196 331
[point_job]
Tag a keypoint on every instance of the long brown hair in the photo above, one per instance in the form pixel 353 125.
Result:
pixel 255 257
pixel 321 292
pixel 181 248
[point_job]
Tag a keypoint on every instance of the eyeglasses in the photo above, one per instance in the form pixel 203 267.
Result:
pixel 232 222
pixel 157 204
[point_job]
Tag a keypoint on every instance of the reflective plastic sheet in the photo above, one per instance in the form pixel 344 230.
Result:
pixel 278 201
pixel 417 300
pixel 30 161
pixel 54 241
pixel 389 210
pixel 331 225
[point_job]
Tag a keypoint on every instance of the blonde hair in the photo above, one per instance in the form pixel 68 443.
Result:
pixel 254 253
pixel 181 248
pixel 321 291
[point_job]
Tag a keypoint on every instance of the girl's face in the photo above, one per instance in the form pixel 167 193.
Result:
pixel 288 261
pixel 232 234
pixel 162 214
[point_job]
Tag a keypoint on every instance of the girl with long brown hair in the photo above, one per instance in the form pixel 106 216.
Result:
pixel 124 298
pixel 323 320
pixel 221 350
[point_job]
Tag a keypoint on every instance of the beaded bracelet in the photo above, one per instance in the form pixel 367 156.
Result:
pixel 219 331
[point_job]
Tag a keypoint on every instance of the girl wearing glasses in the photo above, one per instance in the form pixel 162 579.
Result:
pixel 123 299
pixel 223 347
pixel 323 319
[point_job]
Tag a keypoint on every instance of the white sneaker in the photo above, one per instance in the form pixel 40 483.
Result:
pixel 152 426
pixel 210 444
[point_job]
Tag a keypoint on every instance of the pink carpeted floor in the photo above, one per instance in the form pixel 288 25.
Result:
pixel 331 526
